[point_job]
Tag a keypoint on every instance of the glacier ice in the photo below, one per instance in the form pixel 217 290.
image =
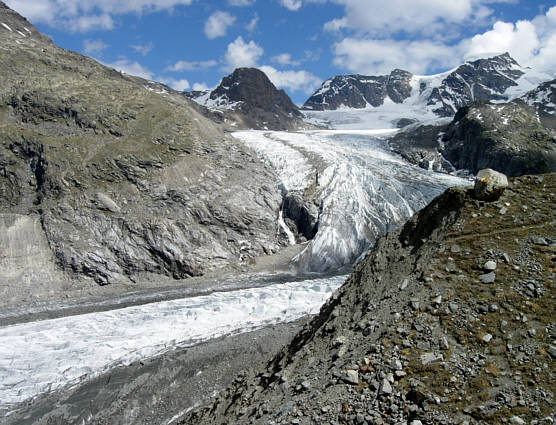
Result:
pixel 42 356
pixel 364 188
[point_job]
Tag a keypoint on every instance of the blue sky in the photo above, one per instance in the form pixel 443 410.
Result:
pixel 191 44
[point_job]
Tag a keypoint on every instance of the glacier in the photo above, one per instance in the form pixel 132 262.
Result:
pixel 46 355
pixel 364 189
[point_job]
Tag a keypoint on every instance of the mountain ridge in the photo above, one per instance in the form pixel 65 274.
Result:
pixel 442 94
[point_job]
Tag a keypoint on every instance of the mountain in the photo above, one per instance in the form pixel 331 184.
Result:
pixel 359 91
pixel 543 99
pixel 248 99
pixel 115 178
pixel 447 320
pixel 442 94
pixel 507 137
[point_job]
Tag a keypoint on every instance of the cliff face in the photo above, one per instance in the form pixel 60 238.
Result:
pixel 442 322
pixel 125 176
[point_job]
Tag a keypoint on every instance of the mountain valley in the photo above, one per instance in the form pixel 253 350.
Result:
pixel 228 256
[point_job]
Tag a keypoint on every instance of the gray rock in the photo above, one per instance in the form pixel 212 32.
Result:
pixel 490 266
pixel 386 387
pixel 351 377
pixel 487 338
pixel 487 277
pixel 489 185
pixel 516 420
pixel 428 358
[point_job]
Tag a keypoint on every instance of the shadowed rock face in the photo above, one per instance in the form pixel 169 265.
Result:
pixel 125 176
pixel 505 137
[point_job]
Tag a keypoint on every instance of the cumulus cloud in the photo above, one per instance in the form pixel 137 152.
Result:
pixel 293 80
pixel 179 85
pixel 217 24
pixel 94 47
pixel 242 54
pixel 200 86
pixel 291 4
pixel 143 49
pixel 376 17
pixel 374 56
pixel 531 43
pixel 373 46
pixel 132 68
pixel 285 59
pixel 181 66
pixel 86 15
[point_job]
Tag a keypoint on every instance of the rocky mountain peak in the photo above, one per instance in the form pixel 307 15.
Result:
pixel 255 90
pixel 247 97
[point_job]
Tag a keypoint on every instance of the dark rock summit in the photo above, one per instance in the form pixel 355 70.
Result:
pixel 116 178
pixel 249 98
pixel 359 91
pixel 418 334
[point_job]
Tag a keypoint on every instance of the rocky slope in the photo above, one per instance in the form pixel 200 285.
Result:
pixel 447 320
pixel 507 137
pixel 125 178
pixel 443 94
pixel 248 99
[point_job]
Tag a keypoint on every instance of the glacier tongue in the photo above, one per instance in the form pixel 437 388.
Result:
pixel 365 190
pixel 43 356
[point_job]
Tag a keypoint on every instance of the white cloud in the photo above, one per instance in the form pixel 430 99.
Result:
pixel 293 5
pixel 378 56
pixel 132 68
pixel 531 43
pixel 86 15
pixel 242 54
pixel 293 80
pixel 284 59
pixel 241 3
pixel 94 47
pixel 90 22
pixel 192 66
pixel 434 18
pixel 370 51
pixel 252 23
pixel 143 49
pixel 179 85
pixel 200 86
pixel 217 24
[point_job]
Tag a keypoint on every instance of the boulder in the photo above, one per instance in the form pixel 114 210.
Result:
pixel 489 185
